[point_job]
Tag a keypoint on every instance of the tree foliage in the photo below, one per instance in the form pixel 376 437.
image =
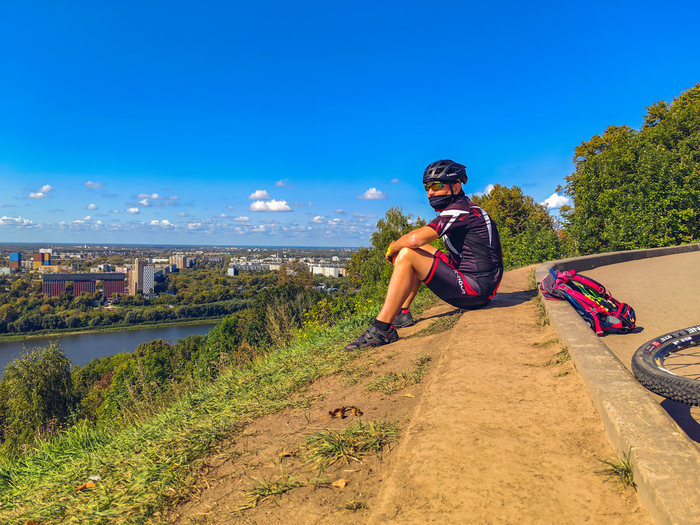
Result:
pixel 640 189
pixel 526 228
pixel 36 395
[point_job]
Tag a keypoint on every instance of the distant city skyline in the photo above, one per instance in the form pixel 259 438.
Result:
pixel 274 123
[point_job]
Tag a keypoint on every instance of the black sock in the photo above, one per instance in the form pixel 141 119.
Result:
pixel 384 327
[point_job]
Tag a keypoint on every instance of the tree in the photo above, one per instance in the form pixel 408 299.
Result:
pixel 36 392
pixel 639 189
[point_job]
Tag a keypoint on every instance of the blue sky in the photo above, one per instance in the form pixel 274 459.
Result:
pixel 302 123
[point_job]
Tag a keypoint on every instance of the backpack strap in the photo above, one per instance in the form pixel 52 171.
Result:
pixel 584 304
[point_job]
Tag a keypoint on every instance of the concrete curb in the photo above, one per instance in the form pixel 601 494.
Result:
pixel 665 462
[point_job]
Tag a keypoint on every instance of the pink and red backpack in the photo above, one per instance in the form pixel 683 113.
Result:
pixel 603 313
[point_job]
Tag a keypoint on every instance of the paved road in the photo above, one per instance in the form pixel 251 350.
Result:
pixel 665 295
pixel 661 284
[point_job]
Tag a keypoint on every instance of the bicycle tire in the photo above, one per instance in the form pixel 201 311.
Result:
pixel 648 366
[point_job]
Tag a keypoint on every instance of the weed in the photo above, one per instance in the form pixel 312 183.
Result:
pixel 355 371
pixel 531 279
pixel 329 447
pixel 392 382
pixel 265 490
pixel 619 470
pixel 355 506
pixel 441 325
pixel 560 357
pixel 541 312
pixel 422 360
pixel 546 343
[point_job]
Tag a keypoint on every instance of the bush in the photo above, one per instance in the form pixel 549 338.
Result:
pixel 36 395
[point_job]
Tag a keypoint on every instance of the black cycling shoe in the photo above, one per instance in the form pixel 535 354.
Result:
pixel 402 320
pixel 373 336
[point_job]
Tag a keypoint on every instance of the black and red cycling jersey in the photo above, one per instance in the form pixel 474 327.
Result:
pixel 471 238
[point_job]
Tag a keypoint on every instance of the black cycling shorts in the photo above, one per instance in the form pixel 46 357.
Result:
pixel 458 289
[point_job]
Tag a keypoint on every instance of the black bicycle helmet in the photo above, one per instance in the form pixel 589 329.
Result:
pixel 445 171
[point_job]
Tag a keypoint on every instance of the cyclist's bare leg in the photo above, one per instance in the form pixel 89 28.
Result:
pixel 411 266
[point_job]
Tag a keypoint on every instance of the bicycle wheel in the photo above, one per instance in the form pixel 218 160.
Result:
pixel 670 365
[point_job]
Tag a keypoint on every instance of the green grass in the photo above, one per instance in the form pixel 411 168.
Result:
pixel 443 324
pixel 531 279
pixel 328 447
pixel 392 382
pixel 542 315
pixel 619 471
pixel 266 490
pixel 154 462
pixel 559 358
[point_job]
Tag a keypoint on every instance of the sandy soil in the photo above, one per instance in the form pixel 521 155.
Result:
pixel 497 431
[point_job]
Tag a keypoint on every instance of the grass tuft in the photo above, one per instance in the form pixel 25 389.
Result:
pixel 441 325
pixel 559 358
pixel 541 311
pixel 328 447
pixel 355 506
pixel 531 279
pixel 619 471
pixel 392 382
pixel 266 490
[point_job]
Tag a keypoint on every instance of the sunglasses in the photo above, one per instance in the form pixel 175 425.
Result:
pixel 437 185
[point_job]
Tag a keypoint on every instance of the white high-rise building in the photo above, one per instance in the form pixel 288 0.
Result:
pixel 148 279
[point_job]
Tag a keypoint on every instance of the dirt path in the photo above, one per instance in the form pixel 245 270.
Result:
pixel 496 432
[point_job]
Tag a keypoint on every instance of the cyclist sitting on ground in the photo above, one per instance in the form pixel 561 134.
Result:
pixel 467 277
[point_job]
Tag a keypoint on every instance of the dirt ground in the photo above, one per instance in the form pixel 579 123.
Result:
pixel 497 431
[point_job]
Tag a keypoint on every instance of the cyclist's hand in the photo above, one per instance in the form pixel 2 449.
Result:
pixel 390 255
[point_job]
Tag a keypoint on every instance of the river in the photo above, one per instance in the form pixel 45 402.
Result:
pixel 81 348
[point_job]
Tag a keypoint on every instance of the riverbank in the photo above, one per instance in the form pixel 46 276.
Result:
pixel 87 330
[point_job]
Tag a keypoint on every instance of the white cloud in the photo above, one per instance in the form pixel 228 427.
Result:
pixel 319 219
pixel 92 185
pixel 164 223
pixel 272 205
pixel 115 211
pixel 373 194
pixel 302 204
pixel 394 181
pixel 284 183
pixel 183 214
pixel 92 206
pixel 174 197
pixel 42 193
pixel 147 196
pixel 229 207
pixel 555 201
pixel 259 195
pixel 486 191
pixel 223 216
pixel 133 211
pixel 241 219
pixel 145 202
pixel 15 221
